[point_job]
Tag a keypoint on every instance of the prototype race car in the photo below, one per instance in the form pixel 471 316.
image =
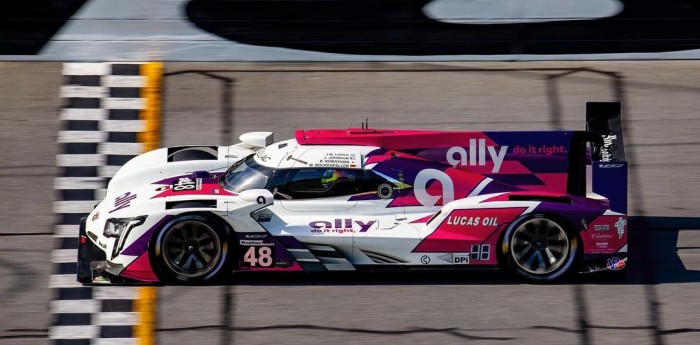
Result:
pixel 540 204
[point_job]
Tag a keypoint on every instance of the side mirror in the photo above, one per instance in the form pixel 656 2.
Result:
pixel 263 197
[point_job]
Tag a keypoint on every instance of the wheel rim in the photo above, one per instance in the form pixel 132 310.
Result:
pixel 540 246
pixel 191 249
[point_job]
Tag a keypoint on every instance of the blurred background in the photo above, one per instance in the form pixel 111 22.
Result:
pixel 230 67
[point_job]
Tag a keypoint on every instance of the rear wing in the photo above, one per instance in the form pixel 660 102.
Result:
pixel 607 173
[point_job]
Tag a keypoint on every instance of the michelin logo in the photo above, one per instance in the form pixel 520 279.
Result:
pixel 620 226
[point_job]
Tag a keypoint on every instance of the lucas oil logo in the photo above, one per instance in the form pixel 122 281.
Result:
pixel 472 221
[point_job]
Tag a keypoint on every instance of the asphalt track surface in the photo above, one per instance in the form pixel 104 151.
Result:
pixel 655 303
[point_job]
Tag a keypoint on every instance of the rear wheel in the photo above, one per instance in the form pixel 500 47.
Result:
pixel 540 248
pixel 191 249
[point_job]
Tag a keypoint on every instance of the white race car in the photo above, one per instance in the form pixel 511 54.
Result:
pixel 364 198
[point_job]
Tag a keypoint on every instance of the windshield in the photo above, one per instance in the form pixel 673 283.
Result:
pixel 247 174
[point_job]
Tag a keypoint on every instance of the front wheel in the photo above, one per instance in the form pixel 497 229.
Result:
pixel 540 248
pixel 191 249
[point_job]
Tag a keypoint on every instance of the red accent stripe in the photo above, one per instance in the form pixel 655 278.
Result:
pixel 399 139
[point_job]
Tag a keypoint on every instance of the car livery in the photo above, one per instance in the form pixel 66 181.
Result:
pixel 541 204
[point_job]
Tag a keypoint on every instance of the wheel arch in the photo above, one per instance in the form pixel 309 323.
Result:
pixel 503 245
pixel 207 215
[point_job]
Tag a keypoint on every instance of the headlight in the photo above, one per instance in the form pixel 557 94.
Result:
pixel 114 227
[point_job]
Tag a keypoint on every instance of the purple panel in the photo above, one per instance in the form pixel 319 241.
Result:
pixel 517 179
pixel 542 163
pixel 581 208
pixel 497 187
pixel 290 242
pixel 140 246
pixel 175 179
pixel 171 180
pixel 610 181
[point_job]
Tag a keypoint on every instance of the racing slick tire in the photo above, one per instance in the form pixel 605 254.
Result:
pixel 540 248
pixel 191 249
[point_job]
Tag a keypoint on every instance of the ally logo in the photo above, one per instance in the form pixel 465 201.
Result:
pixel 478 152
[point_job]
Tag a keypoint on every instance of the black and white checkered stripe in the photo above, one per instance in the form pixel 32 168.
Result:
pixel 99 127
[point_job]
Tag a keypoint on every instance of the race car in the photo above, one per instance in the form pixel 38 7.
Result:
pixel 540 204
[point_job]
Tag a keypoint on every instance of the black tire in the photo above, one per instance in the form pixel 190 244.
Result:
pixel 191 249
pixel 540 248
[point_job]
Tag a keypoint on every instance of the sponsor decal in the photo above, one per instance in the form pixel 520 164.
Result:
pixel 480 252
pixel 472 221
pixel 467 230
pixel 608 145
pixel 610 165
pixel 425 259
pixel 102 245
pixel 601 227
pixel 186 184
pixel 255 236
pixel 460 258
pixel 262 155
pixel 542 149
pixel 615 264
pixel 123 201
pixel 340 225
pixel 604 237
pixel 620 226
pixel 338 160
pixel 597 236
pixel 456 258
pixel 255 243
pixel 478 152
pixel 283 263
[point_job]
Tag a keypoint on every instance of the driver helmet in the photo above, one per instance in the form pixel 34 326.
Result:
pixel 330 177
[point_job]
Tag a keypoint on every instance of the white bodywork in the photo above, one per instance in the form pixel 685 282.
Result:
pixel 369 232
